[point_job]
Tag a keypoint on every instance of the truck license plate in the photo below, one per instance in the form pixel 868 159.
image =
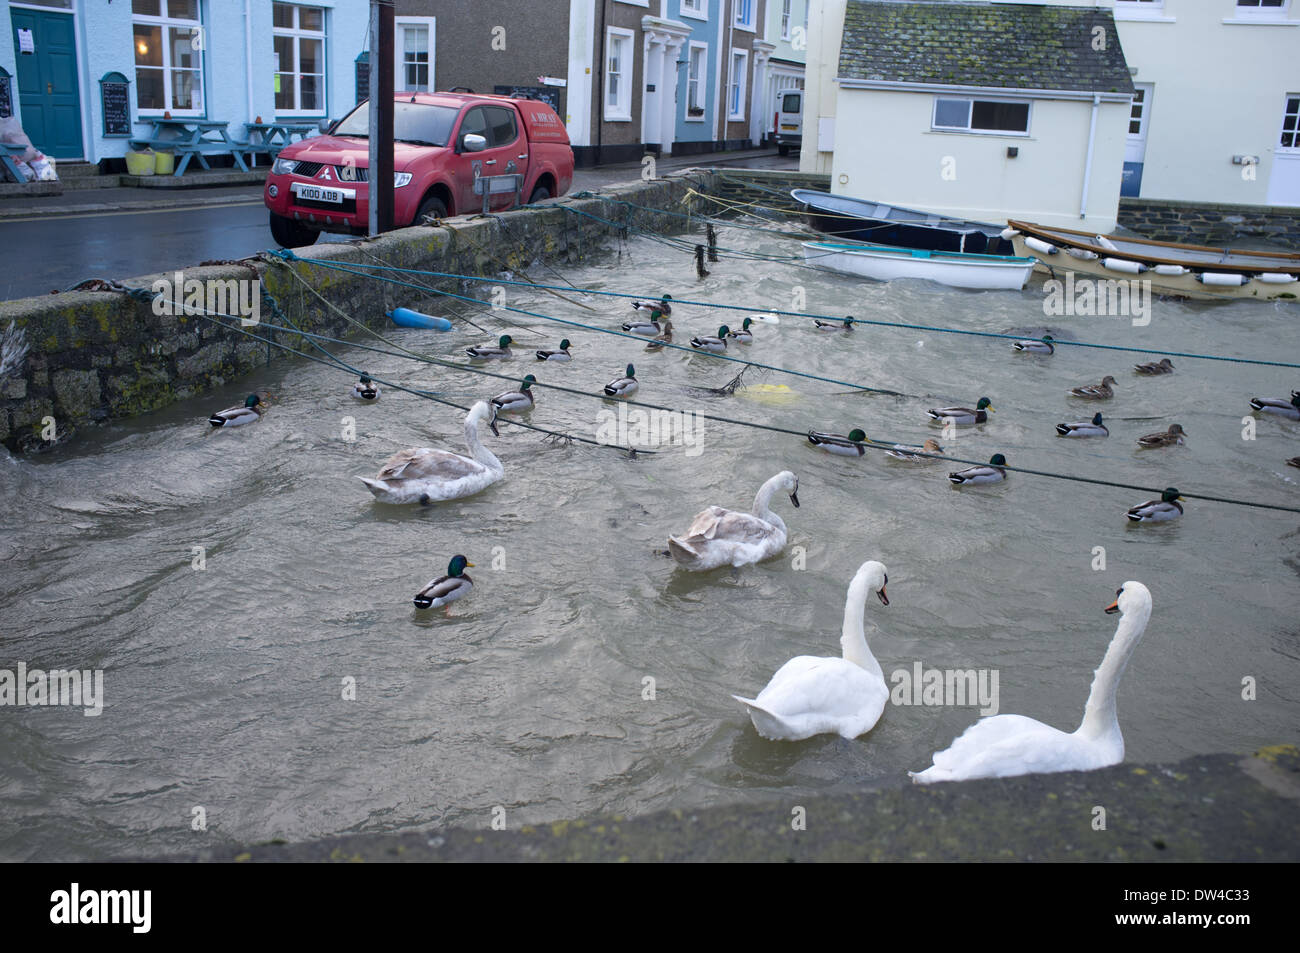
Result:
pixel 314 193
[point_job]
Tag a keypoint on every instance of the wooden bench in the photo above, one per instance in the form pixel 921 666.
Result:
pixel 194 139
pixel 8 152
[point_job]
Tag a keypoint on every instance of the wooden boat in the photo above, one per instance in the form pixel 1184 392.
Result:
pixel 1190 271
pixel 955 269
pixel 880 223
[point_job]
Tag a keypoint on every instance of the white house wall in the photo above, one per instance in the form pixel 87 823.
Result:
pixel 886 150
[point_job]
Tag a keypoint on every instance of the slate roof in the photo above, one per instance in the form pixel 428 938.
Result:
pixel 963 43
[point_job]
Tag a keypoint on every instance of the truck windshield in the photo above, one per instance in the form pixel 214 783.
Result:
pixel 420 123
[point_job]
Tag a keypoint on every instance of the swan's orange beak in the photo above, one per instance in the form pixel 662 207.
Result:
pixel 1112 608
pixel 884 599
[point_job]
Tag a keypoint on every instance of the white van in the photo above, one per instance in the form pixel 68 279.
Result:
pixel 789 119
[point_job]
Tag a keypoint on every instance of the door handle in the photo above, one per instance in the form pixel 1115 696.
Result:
pixel 49 88
pixel 490 162
pixel 523 156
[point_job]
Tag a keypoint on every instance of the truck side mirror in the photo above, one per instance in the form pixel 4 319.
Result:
pixel 325 125
pixel 472 142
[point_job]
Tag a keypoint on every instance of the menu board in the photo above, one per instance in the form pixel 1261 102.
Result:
pixel 547 94
pixel 6 96
pixel 363 77
pixel 115 97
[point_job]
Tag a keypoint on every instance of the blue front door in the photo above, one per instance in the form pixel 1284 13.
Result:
pixel 48 92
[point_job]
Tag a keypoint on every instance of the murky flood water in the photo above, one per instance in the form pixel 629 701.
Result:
pixel 224 686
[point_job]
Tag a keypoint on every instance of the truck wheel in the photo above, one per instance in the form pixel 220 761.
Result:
pixel 540 194
pixel 431 207
pixel 289 233
pixel 783 150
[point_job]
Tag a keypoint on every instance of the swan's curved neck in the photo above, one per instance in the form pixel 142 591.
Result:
pixel 1100 718
pixel 476 449
pixel 853 637
pixel 763 500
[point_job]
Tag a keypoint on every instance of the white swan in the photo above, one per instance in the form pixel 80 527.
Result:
pixel 719 537
pixel 422 475
pixel 1008 745
pixel 812 696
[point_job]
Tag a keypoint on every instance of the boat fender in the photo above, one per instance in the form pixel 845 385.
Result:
pixel 1106 243
pixel 1037 244
pixel 1221 278
pixel 1122 264
pixel 1276 278
pixel 1009 233
pixel 406 318
pixel 1171 270
pixel 1082 253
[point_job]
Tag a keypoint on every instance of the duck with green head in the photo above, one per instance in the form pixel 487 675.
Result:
pixel 515 401
pixel 492 352
pixel 1276 405
pixel 854 445
pixel 744 335
pixel 714 345
pixel 561 355
pixel 647 329
pixel 1158 511
pixel 1094 428
pixel 963 416
pixel 662 305
pixel 446 589
pixel 1042 346
pixel 845 325
pixel 624 386
pixel 993 472
pixel 251 411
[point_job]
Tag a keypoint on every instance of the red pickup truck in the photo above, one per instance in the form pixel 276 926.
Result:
pixel 443 142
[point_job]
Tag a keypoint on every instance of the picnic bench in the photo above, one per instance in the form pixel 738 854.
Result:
pixel 195 139
pixel 8 152
pixel 273 136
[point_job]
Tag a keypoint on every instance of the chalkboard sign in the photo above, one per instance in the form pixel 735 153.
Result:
pixel 115 97
pixel 547 94
pixel 6 95
pixel 363 76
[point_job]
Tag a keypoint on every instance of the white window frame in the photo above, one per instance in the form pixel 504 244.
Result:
pixel 1262 12
pixel 970 113
pixel 1282 130
pixel 399 64
pixel 701 82
pixel 698 9
pixel 744 23
pixel 739 83
pixel 622 110
pixel 786 15
pixel 295 74
pixel 165 23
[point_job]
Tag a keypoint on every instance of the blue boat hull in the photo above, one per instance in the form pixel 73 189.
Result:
pixel 406 318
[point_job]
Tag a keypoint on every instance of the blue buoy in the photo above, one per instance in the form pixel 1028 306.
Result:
pixel 406 318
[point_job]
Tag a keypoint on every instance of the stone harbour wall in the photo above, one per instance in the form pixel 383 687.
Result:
pixel 100 355
pixel 1203 223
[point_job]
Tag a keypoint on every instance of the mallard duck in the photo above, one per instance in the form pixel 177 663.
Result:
pixel 992 473
pixel 491 352
pixel 744 335
pixel 1167 438
pixel 1293 462
pixel 515 401
pixel 1043 346
pixel 714 345
pixel 1162 366
pixel 1093 429
pixel 238 416
pixel 1157 511
pixel 964 416
pixel 423 475
pixel 365 389
pixel 1100 391
pixel 719 537
pixel 1276 405
pixel 845 325
pixel 910 453
pixel 850 446
pixel 811 696
pixel 647 329
pixel 666 338
pixel 1004 746
pixel 623 387
pixel 561 355
pixel 662 305
pixel 455 585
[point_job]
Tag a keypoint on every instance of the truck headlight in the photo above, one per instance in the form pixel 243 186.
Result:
pixel 283 166
pixel 400 179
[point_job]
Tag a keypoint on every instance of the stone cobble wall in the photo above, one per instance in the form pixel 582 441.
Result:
pixel 1200 223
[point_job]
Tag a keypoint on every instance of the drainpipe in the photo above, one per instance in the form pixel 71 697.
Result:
pixel 1087 167
pixel 600 87
pixel 248 55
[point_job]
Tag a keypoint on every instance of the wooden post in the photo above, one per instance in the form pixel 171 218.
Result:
pixel 380 176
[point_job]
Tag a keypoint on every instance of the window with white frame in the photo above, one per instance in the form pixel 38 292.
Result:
pixel 1291 123
pixel 169 45
pixel 1262 8
pixel 785 19
pixel 414 40
pixel 952 114
pixel 745 13
pixel 736 85
pixel 696 9
pixel 618 75
pixel 298 33
pixel 697 65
